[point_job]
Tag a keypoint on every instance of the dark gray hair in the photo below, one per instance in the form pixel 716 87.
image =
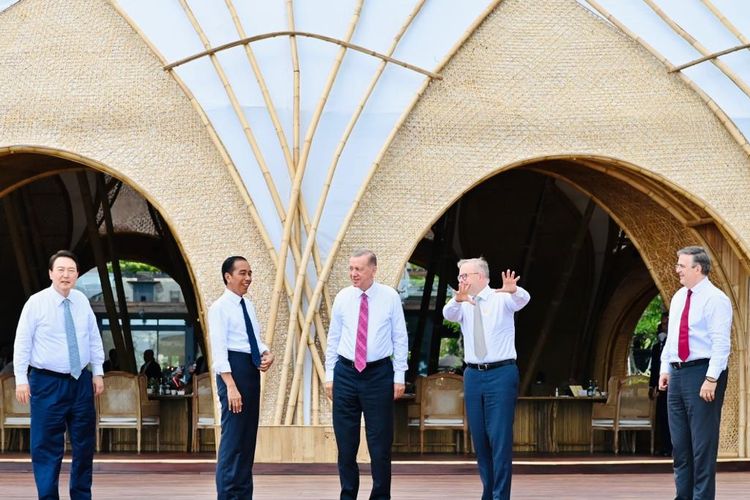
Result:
pixel 373 259
pixel 480 264
pixel 700 257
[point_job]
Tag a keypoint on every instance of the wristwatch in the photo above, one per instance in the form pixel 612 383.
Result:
pixel 711 379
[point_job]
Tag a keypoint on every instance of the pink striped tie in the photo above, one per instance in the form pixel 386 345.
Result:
pixel 360 354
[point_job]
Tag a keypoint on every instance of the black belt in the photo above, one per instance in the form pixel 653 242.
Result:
pixel 677 365
pixel 483 367
pixel 371 364
pixel 51 373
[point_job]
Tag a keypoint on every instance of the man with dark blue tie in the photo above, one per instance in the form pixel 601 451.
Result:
pixel 365 367
pixel 239 355
pixel 56 339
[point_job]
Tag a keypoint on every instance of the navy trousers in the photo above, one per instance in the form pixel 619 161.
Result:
pixel 490 407
pixel 57 403
pixel 354 393
pixel 694 426
pixel 234 465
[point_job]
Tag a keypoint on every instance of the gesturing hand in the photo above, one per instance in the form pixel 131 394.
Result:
pixel 462 295
pixel 510 281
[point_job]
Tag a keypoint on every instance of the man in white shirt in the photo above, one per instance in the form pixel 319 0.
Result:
pixel 56 339
pixel 365 367
pixel 491 375
pixel 239 355
pixel 693 366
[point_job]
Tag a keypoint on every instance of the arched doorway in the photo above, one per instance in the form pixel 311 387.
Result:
pixel 52 202
pixel 594 240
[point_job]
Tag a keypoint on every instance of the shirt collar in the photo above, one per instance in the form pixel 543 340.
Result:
pixel 370 292
pixel 232 297
pixel 484 293
pixel 58 297
pixel 701 285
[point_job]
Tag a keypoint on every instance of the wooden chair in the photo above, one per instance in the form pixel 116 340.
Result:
pixel 203 407
pixel 125 405
pixel 441 406
pixel 13 415
pixel 633 412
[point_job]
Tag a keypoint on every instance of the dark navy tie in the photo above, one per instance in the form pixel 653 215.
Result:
pixel 254 352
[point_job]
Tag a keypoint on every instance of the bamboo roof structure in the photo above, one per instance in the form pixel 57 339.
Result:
pixel 302 99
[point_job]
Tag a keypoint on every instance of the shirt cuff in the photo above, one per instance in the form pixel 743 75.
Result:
pixel 222 367
pixel 329 375
pixel 22 379
pixel 398 377
pixel 97 370
pixel 714 372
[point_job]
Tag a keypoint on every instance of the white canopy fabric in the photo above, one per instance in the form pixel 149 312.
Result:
pixel 181 28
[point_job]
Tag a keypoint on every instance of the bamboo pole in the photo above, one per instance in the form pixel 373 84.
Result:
pixel 312 234
pixel 290 161
pixel 323 277
pixel 315 398
pixel 296 187
pixel 713 55
pixel 101 263
pixel 726 22
pixel 128 356
pixel 724 67
pixel 256 151
pixel 296 82
pixel 720 114
pixel 16 239
pixel 345 44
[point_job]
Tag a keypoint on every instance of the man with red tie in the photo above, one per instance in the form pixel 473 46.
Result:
pixel 365 368
pixel 693 365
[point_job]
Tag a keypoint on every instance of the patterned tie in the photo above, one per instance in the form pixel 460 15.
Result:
pixel 254 351
pixel 360 354
pixel 480 345
pixel 683 344
pixel 70 332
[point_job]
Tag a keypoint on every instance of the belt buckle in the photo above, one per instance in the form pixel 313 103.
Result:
pixel 483 367
pixel 677 365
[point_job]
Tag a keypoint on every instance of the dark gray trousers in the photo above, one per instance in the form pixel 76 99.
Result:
pixel 694 426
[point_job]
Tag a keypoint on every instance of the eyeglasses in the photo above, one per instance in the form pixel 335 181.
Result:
pixel 464 276
pixel 680 267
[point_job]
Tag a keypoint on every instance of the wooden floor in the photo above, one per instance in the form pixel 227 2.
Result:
pixel 730 485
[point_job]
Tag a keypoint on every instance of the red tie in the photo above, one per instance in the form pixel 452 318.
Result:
pixel 360 353
pixel 683 344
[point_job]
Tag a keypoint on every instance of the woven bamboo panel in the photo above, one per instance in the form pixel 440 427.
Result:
pixel 77 79
pixel 543 79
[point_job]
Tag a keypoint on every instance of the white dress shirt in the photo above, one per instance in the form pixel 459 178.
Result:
pixel 709 327
pixel 226 326
pixel 386 328
pixel 497 319
pixel 41 340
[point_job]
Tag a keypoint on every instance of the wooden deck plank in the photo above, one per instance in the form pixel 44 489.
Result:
pixel 730 486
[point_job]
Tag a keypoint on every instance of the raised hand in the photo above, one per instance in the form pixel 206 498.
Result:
pixel 510 282
pixel 462 295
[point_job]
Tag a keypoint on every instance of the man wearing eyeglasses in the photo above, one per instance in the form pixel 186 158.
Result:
pixel 693 365
pixel 491 376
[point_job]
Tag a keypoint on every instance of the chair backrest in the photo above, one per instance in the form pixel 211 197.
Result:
pixel 121 396
pixel 202 396
pixel 9 406
pixel 442 396
pixel 634 401
pixel 613 384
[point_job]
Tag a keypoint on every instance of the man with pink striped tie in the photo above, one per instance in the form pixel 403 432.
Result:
pixel 366 357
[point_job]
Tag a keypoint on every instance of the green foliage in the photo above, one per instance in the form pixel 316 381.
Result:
pixel 130 268
pixel 450 346
pixel 648 325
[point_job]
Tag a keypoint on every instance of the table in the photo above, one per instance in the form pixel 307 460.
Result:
pixel 175 421
pixel 550 424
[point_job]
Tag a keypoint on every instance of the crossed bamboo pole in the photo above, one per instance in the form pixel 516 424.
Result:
pixel 294 197
pixel 297 298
